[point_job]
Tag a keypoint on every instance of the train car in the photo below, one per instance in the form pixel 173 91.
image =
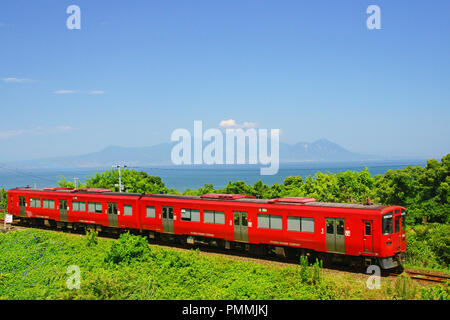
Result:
pixel 353 233
pixel 66 207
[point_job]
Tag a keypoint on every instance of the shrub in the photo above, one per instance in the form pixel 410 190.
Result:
pixel 91 238
pixel 438 292
pixel 127 249
pixel 404 288
pixel 428 245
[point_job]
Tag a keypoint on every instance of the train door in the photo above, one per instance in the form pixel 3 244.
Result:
pixel 368 236
pixel 167 219
pixel 240 226
pixel 63 210
pixel 22 207
pixel 397 230
pixel 335 237
pixel 112 214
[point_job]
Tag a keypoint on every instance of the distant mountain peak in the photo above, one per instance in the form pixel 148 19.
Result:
pixel 160 154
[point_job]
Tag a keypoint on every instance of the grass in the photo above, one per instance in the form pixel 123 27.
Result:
pixel 33 265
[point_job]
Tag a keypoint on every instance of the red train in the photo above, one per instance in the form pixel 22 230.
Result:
pixel 353 233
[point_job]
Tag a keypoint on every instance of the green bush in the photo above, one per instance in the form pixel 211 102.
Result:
pixel 438 292
pixel 428 245
pixel 128 248
pixel 91 237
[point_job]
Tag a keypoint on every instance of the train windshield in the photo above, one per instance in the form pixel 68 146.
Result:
pixel 388 226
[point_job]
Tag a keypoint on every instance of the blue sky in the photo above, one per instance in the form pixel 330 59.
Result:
pixel 137 70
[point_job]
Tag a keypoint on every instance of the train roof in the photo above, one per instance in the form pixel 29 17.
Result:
pixel 295 201
pixel 310 202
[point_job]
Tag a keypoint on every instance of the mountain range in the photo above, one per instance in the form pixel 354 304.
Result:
pixel 321 150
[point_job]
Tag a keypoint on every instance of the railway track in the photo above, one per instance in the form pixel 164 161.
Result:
pixel 428 276
pixel 416 275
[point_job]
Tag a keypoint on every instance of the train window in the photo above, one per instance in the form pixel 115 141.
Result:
pixel 219 217
pixel 244 219
pixel 127 210
pixel 387 223
pixel 330 226
pixel 216 217
pixel 48 204
pixel 266 221
pixel 35 203
pixel 276 222
pixel 397 224
pixel 340 227
pixel 62 204
pixel 185 215
pixel 307 224
pixel 112 208
pixel 236 217
pixel 190 215
pixel 209 216
pixel 95 207
pixel 403 220
pixel 294 224
pixel 150 212
pixel 368 229
pixel 22 201
pixel 78 206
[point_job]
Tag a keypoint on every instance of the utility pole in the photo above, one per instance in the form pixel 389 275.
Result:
pixel 75 179
pixel 120 177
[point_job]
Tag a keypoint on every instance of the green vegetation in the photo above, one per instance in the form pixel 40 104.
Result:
pixel 428 246
pixel 134 181
pixel 34 265
pixel 3 202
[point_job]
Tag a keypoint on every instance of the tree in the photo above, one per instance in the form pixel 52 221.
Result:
pixel 3 198
pixel 132 180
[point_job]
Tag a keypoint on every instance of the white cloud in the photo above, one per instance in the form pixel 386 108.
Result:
pixel 34 131
pixel 233 124
pixel 11 133
pixel 227 123
pixel 16 80
pixel 64 91
pixel 249 125
pixel 64 128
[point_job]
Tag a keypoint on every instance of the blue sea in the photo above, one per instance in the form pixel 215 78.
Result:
pixel 182 178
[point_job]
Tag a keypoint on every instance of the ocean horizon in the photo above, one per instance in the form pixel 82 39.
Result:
pixel 194 177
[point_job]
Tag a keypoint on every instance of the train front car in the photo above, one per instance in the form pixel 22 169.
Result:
pixel 393 237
